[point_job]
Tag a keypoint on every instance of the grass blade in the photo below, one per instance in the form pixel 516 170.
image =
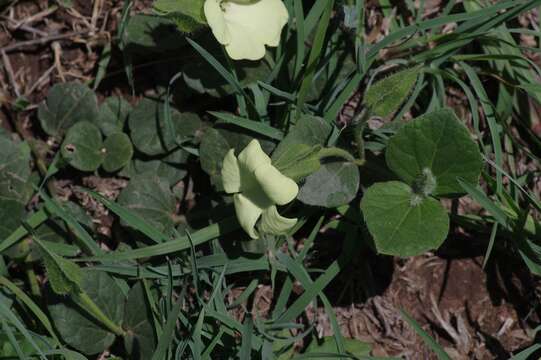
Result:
pixel 429 341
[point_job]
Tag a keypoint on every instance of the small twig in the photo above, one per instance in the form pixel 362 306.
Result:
pixel 37 17
pixel 39 82
pixel 57 62
pixel 73 12
pixel 11 75
pixel 18 26
pixel 96 10
pixel 41 41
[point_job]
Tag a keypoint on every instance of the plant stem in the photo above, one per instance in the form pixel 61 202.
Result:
pixel 360 124
pixel 32 280
pixel 93 309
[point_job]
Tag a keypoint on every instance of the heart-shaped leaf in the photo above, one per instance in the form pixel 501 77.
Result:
pixel 147 125
pixel 118 152
pixel 309 130
pixel 66 104
pixel 334 184
pixel 150 33
pixel 188 14
pixel 151 199
pixel 113 115
pixel 439 145
pixel 76 327
pixel 385 97
pixel 83 146
pixel 171 167
pixel 14 170
pixel 140 341
pixel 402 222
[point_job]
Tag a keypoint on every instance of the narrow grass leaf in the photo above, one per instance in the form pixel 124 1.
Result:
pixel 87 242
pixel 429 341
pixel 6 313
pixel 133 220
pixel 257 127
pixel 35 220
pixel 25 299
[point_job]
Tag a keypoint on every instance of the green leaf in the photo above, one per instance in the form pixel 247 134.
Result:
pixel 52 235
pixel 439 143
pixel 140 340
pixel 334 184
pixel 215 143
pixel 66 104
pixel 147 126
pixel 188 14
pixel 65 277
pixel 113 114
pixel 327 346
pixel 118 152
pixel 151 199
pixel 191 8
pixel 83 147
pixel 150 33
pixel 75 326
pixel 429 340
pixel 171 167
pixel 299 161
pixel 309 130
pixel 255 126
pixel 14 170
pixel 401 222
pixel 385 97
pixel 12 213
pixel 203 78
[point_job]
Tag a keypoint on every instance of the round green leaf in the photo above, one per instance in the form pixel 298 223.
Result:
pixel 148 126
pixel 171 167
pixel 118 152
pixel 83 146
pixel 401 222
pixel 140 341
pixel 113 114
pixel 151 199
pixel 14 170
pixel 151 33
pixel 439 143
pixel 66 104
pixel 309 130
pixel 74 324
pixel 334 184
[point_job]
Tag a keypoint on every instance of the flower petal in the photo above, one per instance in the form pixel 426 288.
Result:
pixel 253 156
pixel 216 19
pixel 278 187
pixel 244 45
pixel 254 25
pixel 231 173
pixel 247 214
pixel 274 223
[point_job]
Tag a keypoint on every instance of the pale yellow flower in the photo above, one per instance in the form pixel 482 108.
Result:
pixel 244 28
pixel 258 187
